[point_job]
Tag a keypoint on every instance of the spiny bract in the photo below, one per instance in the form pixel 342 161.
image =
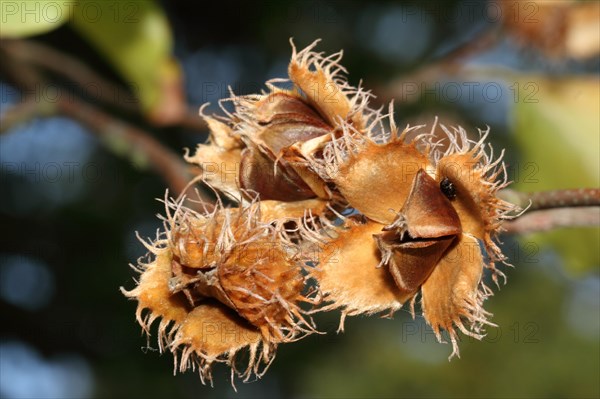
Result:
pixel 337 208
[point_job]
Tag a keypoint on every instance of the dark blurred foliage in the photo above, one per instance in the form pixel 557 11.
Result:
pixel 70 209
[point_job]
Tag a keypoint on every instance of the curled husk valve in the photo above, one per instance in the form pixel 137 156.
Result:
pixel 333 207
pixel 221 281
pixel 262 147
pixel 428 217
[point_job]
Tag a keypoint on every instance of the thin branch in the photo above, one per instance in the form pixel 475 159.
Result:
pixel 133 140
pixel 89 82
pixel 165 162
pixel 23 112
pixel 554 209
pixel 569 198
pixel 548 219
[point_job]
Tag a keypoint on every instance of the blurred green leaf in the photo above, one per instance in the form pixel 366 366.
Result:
pixel 136 39
pixel 23 19
pixel 557 127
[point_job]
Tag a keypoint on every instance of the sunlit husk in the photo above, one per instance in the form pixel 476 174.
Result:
pixel 320 79
pixel 452 296
pixel 155 300
pixel 222 280
pixel 259 146
pixel 424 228
pixel 264 283
pixel 421 231
pixel 198 336
pixel 220 159
pixel 255 270
pixel 269 125
pixel 279 211
pixel 478 177
pixel 329 188
pixel 348 273
pixel 212 333
pixel 374 178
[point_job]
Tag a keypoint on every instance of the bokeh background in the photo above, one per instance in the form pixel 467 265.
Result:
pixel 78 76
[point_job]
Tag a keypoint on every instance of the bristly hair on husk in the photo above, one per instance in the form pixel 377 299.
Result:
pixel 221 280
pixel 485 177
pixel 334 207
pixel 349 161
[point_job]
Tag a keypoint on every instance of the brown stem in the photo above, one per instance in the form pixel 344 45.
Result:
pixel 122 136
pixel 164 161
pixel 94 85
pixel 565 198
pixel 569 198
pixel 554 209
pixel 547 219
pixel 23 112
pixel 40 55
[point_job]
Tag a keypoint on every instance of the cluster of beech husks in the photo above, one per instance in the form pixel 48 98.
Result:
pixel 336 208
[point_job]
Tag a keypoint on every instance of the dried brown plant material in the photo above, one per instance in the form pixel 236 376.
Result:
pixel 325 88
pixel 219 159
pixel 278 211
pixel 222 281
pixel 154 297
pixel 425 227
pixel 212 333
pixel 325 190
pixel 373 177
pixel 453 294
pixel 205 334
pixel 262 146
pixel 348 275
pixel 426 206
pixel 476 178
